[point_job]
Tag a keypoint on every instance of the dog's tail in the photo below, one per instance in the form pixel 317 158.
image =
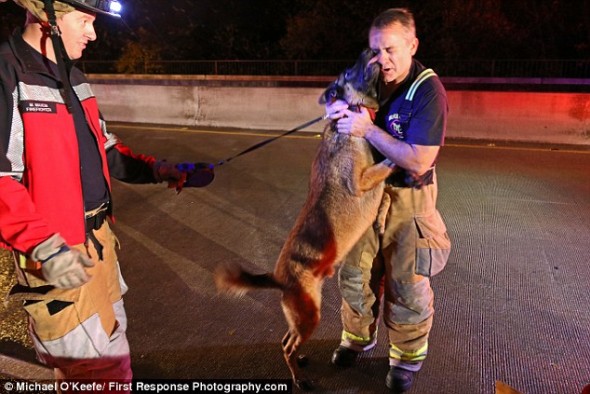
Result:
pixel 234 280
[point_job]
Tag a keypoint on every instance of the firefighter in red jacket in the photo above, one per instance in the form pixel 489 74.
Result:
pixel 56 160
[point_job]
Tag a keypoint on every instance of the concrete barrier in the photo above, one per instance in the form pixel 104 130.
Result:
pixel 558 118
pixel 264 103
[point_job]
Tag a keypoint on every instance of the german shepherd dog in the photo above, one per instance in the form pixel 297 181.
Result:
pixel 345 193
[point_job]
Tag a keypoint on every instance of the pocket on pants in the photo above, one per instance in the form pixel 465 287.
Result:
pixel 61 334
pixel 50 323
pixel 433 245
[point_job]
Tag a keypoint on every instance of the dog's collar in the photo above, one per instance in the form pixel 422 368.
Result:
pixel 357 108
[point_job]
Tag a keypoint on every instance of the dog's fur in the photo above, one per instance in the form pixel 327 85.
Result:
pixel 345 193
pixel 503 388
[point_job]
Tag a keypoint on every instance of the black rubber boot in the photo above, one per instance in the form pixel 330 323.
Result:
pixel 399 380
pixel 344 357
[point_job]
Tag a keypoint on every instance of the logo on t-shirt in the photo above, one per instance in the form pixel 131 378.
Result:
pixel 394 126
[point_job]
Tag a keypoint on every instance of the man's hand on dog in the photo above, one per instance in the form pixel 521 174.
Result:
pixel 349 122
pixel 335 108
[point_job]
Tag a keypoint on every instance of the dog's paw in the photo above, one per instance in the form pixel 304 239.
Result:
pixel 302 361
pixel 379 228
pixel 305 384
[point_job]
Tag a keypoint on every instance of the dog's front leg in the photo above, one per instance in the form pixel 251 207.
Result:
pixel 375 174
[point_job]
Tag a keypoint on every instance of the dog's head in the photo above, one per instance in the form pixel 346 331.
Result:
pixel 357 85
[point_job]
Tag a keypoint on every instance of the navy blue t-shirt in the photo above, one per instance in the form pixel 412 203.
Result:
pixel 94 186
pixel 429 110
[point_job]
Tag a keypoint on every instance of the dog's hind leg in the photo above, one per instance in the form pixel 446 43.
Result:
pixel 301 309
pixel 291 343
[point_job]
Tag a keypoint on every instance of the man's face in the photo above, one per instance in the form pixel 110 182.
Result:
pixel 394 46
pixel 76 30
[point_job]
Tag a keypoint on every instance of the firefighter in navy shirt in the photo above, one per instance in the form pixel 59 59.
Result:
pixel 393 268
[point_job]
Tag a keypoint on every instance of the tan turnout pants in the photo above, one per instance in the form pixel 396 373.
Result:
pixel 395 268
pixel 80 332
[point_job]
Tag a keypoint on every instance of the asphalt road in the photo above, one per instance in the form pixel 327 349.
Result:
pixel 512 304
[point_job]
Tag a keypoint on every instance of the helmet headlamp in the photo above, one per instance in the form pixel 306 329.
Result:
pixel 115 7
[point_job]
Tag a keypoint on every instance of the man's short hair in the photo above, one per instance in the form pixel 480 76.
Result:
pixel 390 16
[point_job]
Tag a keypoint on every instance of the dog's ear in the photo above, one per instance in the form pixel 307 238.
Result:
pixel 366 55
pixel 371 71
pixel 323 96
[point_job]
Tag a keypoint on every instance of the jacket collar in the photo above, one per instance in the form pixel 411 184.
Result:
pixel 29 59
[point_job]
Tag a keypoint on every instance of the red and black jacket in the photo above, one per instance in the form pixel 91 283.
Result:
pixel 40 177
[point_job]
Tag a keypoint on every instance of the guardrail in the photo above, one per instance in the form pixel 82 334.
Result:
pixel 505 68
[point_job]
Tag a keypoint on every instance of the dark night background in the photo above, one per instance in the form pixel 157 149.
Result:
pixel 333 29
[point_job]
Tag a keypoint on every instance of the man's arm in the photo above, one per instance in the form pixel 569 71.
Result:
pixel 21 226
pixel 24 230
pixel 129 167
pixel 414 158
